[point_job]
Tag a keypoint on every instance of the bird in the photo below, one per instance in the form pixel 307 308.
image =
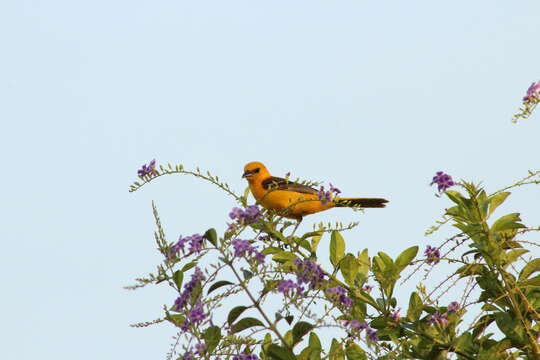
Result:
pixel 293 200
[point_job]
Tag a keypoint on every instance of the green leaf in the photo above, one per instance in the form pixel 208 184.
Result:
pixel 315 347
pixel 349 268
pixel 336 351
pixel 415 307
pixel 355 352
pixel 470 269
pixel 496 200
pixel 337 248
pixel 363 262
pixel 235 313
pixel 246 323
pixel 284 256
pixel 176 319
pixel 531 267
pixel 300 329
pixel 218 284
pixel 455 196
pixel 507 222
pixel 513 255
pixel 189 266
pixel 211 235
pixel 405 258
pixel 212 336
pixel 178 278
pixel 280 353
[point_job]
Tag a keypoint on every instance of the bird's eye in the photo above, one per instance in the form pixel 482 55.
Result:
pixel 256 170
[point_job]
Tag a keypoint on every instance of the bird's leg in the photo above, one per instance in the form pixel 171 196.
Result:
pixel 297 224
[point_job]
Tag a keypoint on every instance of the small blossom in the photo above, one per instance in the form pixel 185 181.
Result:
pixel 287 175
pixel 433 255
pixel 339 295
pixel 335 190
pixel 532 92
pixel 372 334
pixel 359 326
pixel 438 319
pixel 288 285
pixel 200 349
pixel 147 169
pixel 395 316
pixel 195 246
pixel 250 215
pixel 245 356
pixel 243 247
pixel 188 355
pixel 453 307
pixel 184 297
pixel 443 181
pixel 308 272
pixel 367 288
pixel 196 313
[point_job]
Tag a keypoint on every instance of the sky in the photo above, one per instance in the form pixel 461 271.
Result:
pixel 374 97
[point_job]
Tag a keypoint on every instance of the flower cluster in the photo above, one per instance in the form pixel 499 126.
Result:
pixel 339 296
pixel 285 286
pixel 453 307
pixel 395 315
pixel 245 356
pixel 243 247
pixel 147 169
pixel 442 319
pixel 327 196
pixel 184 297
pixel 432 254
pixel 195 246
pixel 308 272
pixel 443 181
pixel 250 215
pixel 359 326
pixel 533 92
pixel 438 319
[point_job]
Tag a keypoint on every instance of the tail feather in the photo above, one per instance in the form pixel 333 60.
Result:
pixel 361 202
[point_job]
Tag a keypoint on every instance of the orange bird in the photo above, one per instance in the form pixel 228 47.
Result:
pixel 293 200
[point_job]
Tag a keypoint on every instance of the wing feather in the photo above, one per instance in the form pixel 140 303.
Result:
pixel 277 183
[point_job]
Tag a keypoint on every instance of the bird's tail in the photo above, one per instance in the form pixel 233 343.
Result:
pixel 361 202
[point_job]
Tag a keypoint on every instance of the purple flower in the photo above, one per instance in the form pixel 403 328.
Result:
pixel 195 246
pixel 433 255
pixel 334 189
pixel 395 316
pixel 308 272
pixel 243 247
pixel 245 356
pixel 339 296
pixel 372 334
pixel 287 175
pixel 200 349
pixel 196 313
pixel 250 215
pixel 188 355
pixel 453 307
pixel 359 326
pixel 438 319
pixel 196 278
pixel 367 288
pixel 532 92
pixel 443 181
pixel 324 196
pixel 147 169
pixel 288 285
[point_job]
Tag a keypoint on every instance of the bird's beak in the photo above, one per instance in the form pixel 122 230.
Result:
pixel 247 174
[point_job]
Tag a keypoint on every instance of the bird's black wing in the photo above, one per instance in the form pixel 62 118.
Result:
pixel 277 183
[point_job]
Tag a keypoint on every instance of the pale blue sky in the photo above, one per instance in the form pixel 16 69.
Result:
pixel 371 96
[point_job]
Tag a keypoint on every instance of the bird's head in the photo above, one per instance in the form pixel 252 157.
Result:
pixel 255 170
